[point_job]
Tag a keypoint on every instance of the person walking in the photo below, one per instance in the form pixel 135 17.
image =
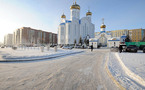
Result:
pixel 91 48
pixel 120 48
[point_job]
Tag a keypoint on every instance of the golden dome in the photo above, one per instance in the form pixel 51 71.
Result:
pixel 103 26
pixel 75 6
pixel 63 16
pixel 88 13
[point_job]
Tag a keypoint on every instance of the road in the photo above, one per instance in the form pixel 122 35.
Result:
pixel 84 71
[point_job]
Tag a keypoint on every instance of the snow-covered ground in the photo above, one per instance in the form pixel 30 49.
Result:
pixel 128 69
pixel 32 53
pixel 83 71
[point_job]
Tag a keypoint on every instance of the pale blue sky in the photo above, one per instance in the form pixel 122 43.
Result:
pixel 45 14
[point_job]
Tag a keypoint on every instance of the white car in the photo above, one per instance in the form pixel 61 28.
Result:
pixel 67 47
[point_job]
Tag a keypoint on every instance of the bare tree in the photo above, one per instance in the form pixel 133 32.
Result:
pixel 75 41
pixel 80 41
pixel 127 39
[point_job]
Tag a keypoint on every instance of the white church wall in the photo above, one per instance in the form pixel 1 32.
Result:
pixel 87 28
pixel 113 43
pixel 62 34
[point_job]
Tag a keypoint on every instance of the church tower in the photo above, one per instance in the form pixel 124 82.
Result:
pixel 103 26
pixel 75 11
pixel 89 15
pixel 63 18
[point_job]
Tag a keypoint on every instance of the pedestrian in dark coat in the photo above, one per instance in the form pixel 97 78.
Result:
pixel 120 48
pixel 91 48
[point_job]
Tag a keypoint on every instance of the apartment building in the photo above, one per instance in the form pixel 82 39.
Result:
pixel 136 35
pixel 29 36
pixel 119 33
pixel 8 39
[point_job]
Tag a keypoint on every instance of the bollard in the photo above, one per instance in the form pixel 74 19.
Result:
pixel 55 48
pixel 42 48
pixel 48 48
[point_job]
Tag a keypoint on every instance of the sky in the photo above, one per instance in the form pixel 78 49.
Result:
pixel 46 14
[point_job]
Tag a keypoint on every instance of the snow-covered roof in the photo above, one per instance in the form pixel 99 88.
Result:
pixel 67 21
pixel 62 24
pixel 123 36
pixel 93 40
pixel 114 39
pixel 102 31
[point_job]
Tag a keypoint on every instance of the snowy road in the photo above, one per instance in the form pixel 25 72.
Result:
pixel 77 72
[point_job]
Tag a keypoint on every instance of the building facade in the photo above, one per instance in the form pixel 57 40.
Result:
pixel 8 39
pixel 136 35
pixel 115 33
pixel 70 31
pixel 119 33
pixel 29 36
pixel 113 42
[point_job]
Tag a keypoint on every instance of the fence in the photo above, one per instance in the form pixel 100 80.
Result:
pixel 135 43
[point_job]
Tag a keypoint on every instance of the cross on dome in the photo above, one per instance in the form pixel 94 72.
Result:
pixel 103 25
pixel 102 20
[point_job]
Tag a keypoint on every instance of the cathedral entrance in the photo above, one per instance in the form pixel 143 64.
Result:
pixel 102 41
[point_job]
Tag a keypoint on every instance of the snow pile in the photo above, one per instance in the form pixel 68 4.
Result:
pixel 134 62
pixel 127 69
pixel 33 53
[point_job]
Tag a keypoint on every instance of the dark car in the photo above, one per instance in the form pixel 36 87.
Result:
pixel 141 47
pixel 132 48
pixel 123 48
pixel 144 50
pixel 2 46
pixel 53 45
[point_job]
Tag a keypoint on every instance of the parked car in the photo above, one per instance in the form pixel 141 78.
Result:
pixel 2 46
pixel 67 47
pixel 77 46
pixel 124 48
pixel 14 47
pixel 53 45
pixel 132 48
pixel 141 47
pixel 80 47
pixel 144 50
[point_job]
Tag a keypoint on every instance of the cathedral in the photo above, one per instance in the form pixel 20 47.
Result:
pixel 70 31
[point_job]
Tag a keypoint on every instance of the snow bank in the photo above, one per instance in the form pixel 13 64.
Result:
pixel 122 67
pixel 32 53
pixel 135 62
pixel 131 74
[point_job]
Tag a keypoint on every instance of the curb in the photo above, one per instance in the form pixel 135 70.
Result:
pixel 38 59
pixel 111 76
